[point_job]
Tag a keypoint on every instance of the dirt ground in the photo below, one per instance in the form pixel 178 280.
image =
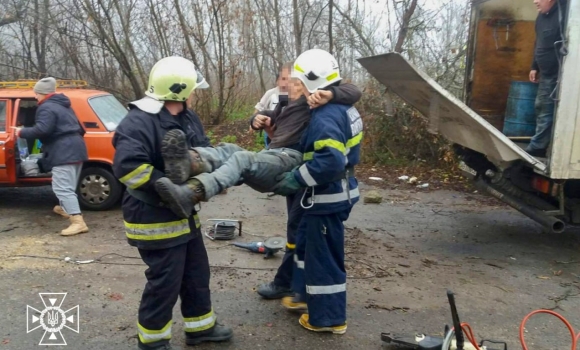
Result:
pixel 402 256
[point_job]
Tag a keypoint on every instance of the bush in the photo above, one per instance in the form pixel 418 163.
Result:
pixel 396 134
pixel 229 139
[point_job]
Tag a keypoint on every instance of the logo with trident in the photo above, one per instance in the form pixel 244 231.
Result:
pixel 52 319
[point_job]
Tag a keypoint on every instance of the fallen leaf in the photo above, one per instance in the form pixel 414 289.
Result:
pixel 378 289
pixel 6 341
pixel 543 277
pixel 115 296
pixel 558 273
pixel 269 324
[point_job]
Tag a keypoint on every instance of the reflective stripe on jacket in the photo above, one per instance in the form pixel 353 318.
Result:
pixel 330 145
pixel 138 164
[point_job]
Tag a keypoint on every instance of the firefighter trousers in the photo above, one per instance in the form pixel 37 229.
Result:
pixel 283 276
pixel 181 271
pixel 319 273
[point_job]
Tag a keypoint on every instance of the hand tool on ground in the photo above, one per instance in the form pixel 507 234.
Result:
pixel 451 341
pixel 269 247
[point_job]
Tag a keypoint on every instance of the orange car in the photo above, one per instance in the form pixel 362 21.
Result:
pixel 98 112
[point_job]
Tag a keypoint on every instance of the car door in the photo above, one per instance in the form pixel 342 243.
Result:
pixel 8 110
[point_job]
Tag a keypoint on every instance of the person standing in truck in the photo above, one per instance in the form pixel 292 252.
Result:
pixel 546 69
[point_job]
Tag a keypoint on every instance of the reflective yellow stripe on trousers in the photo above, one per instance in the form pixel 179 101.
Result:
pixel 201 323
pixel 165 230
pixel 149 336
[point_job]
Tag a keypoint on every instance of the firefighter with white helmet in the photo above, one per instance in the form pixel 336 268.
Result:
pixel 331 149
pixel 171 246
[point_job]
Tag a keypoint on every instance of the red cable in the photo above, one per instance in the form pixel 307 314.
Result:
pixel 469 335
pixel 575 338
pixel 468 331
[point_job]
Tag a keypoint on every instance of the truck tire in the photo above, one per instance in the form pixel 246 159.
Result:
pixel 98 189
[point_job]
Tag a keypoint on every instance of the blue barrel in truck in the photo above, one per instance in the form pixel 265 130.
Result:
pixel 520 114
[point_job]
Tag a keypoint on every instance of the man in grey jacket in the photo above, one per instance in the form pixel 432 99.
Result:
pixel 64 150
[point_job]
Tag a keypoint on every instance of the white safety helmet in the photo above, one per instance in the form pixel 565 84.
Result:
pixel 171 79
pixel 317 69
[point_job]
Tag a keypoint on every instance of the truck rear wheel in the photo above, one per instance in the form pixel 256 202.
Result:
pixel 98 189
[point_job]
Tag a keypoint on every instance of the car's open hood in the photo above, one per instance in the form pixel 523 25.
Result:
pixel 448 116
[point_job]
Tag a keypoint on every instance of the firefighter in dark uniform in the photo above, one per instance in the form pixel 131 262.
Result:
pixel 331 149
pixel 172 247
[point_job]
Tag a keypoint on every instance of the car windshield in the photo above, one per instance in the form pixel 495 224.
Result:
pixel 109 110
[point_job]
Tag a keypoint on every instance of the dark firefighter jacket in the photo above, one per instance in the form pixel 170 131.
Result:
pixel 138 164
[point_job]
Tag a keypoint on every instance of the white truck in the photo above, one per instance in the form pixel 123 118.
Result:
pixel 500 50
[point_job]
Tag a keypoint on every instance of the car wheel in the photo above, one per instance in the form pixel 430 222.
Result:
pixel 98 189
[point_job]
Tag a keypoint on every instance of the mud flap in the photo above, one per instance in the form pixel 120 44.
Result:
pixel 447 115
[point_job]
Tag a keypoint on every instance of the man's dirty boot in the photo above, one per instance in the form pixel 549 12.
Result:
pixel 216 334
pixel 77 225
pixel 273 291
pixel 180 198
pixel 181 163
pixel 60 211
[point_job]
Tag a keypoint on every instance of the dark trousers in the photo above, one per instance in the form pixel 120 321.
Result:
pixel 544 113
pixel 283 277
pixel 178 271
pixel 320 275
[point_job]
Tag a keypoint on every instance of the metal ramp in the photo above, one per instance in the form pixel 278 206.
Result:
pixel 447 115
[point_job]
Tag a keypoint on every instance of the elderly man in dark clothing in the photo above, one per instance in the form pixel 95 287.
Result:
pixel 545 69
pixel 64 150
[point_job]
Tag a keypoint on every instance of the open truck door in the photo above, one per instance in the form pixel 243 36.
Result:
pixel 451 118
pixel 447 115
pixel 7 174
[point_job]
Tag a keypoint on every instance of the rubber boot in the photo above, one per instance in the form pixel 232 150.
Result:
pixel 180 198
pixel 162 347
pixel 337 329
pixel 77 225
pixel 181 163
pixel 273 291
pixel 216 334
pixel 60 211
pixel 294 303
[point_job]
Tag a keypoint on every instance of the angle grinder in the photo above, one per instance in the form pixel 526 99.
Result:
pixel 268 247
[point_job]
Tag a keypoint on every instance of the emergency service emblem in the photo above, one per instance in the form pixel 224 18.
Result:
pixel 52 319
